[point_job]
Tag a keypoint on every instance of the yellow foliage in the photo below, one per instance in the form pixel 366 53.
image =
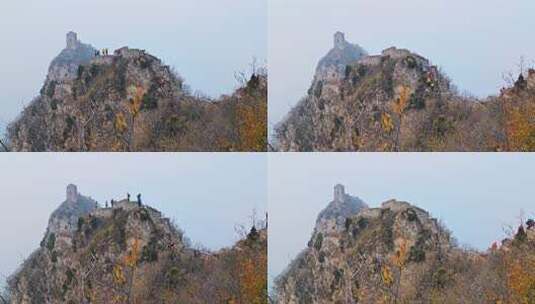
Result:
pixel 120 123
pixel 521 278
pixel 136 93
pixel 400 257
pixel 253 281
pixel 118 275
pixel 387 275
pixel 387 123
pixel 132 257
pixel 520 124
pixel 252 126
pixel 401 103
pixel 119 299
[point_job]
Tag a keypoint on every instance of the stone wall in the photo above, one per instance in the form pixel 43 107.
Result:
pixel 339 193
pixel 72 193
pixel 72 40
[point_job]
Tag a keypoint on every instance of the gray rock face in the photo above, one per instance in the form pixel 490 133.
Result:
pixel 123 254
pixel 332 65
pixel 83 96
pixel 333 217
pixel 63 221
pixel 349 106
pixel 346 265
pixel 65 65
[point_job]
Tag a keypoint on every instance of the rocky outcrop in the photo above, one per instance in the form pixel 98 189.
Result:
pixel 332 65
pixel 130 253
pixel 345 265
pixel 65 65
pixel 63 221
pixel 131 101
pixel 393 101
pixel 333 217
pixel 399 253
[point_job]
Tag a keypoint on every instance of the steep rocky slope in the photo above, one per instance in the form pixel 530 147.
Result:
pixel 131 101
pixel 399 253
pixel 395 101
pixel 130 253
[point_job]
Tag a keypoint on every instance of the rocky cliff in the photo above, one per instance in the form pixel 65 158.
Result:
pixel 399 253
pixel 129 100
pixel 394 101
pixel 333 217
pixel 130 253
pixel 333 64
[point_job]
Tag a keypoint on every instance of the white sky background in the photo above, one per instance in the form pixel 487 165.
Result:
pixel 473 41
pixel 476 195
pixel 207 194
pixel 207 41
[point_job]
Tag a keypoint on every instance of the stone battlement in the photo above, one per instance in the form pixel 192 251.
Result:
pixel 339 40
pixel 72 193
pixel 103 212
pixel 126 204
pixel 339 193
pixel 371 60
pixel 72 40
pixel 129 53
pixel 103 60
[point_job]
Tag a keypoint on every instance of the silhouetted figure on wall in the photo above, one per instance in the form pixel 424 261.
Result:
pixel 139 199
pixel 106 204
pixel 112 203
pixel 128 196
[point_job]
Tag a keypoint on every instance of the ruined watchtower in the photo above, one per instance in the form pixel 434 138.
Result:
pixel 339 40
pixel 339 193
pixel 72 193
pixel 72 40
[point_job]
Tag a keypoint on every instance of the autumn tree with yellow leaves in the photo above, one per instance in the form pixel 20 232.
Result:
pixel 399 106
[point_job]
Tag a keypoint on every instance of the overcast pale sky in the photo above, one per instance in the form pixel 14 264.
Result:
pixel 207 194
pixel 476 195
pixel 207 41
pixel 473 41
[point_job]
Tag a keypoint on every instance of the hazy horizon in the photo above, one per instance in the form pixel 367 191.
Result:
pixel 207 194
pixel 474 42
pixel 206 41
pixel 460 189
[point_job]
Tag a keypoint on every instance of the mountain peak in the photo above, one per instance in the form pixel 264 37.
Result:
pixel 346 265
pixel 64 219
pixel 132 249
pixel 75 53
pixel 332 65
pixel 343 206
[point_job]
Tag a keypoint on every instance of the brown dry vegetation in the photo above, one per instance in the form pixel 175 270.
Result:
pixel 136 256
pixel 406 104
pixel 135 103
